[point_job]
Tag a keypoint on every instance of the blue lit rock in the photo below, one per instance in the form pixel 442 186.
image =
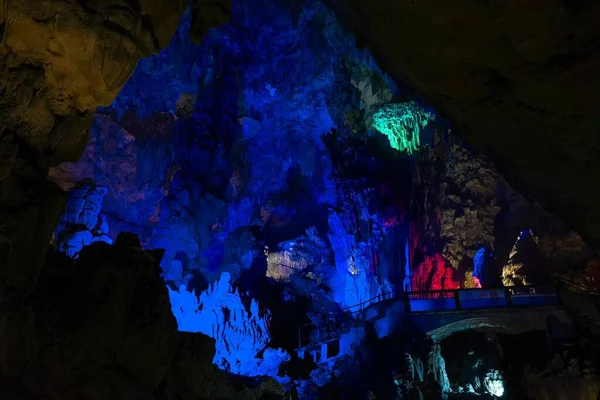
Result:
pixel 355 236
pixel 190 173
pixel 237 324
pixel 82 223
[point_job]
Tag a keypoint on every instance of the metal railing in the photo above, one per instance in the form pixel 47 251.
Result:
pixel 332 328
pixel 477 298
pixel 314 333
pixel 432 294
pixel 531 290
pixel 356 308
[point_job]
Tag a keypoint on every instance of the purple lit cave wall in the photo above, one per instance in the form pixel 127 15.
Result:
pixel 254 161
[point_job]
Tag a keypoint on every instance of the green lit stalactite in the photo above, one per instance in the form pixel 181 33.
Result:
pixel 402 124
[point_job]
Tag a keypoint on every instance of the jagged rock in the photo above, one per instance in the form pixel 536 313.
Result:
pixel 436 369
pixel 493 382
pixel 83 63
pixel 81 223
pixel 434 273
pixel 374 91
pixel 464 204
pixel 356 236
pixel 103 329
pixel 482 77
pixel 296 255
pixel 59 61
pixel 241 333
pixel 113 159
pixel 462 212
pixel 526 263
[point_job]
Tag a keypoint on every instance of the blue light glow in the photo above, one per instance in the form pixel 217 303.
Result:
pixel 218 155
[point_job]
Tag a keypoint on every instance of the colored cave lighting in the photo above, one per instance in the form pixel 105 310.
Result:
pixel 402 124
pixel 494 383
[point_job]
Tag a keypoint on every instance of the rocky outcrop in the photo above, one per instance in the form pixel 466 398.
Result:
pixel 194 175
pixel 434 273
pixel 463 205
pixel 102 328
pixel 295 256
pixel 82 223
pixel 460 202
pixel 355 234
pixel 240 329
pixel 516 79
pixel 59 61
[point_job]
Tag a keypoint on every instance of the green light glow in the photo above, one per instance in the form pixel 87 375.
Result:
pixel 402 124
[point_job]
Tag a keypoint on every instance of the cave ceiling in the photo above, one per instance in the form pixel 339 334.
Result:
pixel 517 79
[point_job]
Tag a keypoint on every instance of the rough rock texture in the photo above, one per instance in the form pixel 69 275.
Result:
pixel 59 61
pixel 296 255
pixel 356 236
pixel 82 222
pixel 189 166
pixel 112 159
pixel 240 329
pixel 517 78
pixel 462 204
pixel 434 273
pixel 103 329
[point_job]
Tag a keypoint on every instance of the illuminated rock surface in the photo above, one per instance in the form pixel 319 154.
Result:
pixel 240 334
pixel 255 159
pixel 102 328
pixel 516 79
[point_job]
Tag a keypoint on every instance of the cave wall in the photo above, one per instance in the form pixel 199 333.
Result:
pixel 462 205
pixel 516 79
pixel 191 166
pixel 227 169
pixel 195 175
pixel 60 61
pixel 149 149
pixel 101 328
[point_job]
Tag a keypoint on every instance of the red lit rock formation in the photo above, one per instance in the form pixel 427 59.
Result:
pixel 435 273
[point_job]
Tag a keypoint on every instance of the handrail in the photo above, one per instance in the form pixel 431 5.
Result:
pixel 509 294
pixel 447 294
pixel 382 296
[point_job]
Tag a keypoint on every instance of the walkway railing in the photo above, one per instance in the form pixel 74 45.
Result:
pixel 470 299
pixel 429 301
pixel 334 324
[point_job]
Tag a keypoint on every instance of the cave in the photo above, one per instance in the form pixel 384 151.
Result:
pixel 299 199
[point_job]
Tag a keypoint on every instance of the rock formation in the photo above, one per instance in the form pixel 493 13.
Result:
pixel 102 328
pixel 240 329
pixel 196 176
pixel 295 256
pixel 462 204
pixel 516 79
pixel 82 223
pixel 59 61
